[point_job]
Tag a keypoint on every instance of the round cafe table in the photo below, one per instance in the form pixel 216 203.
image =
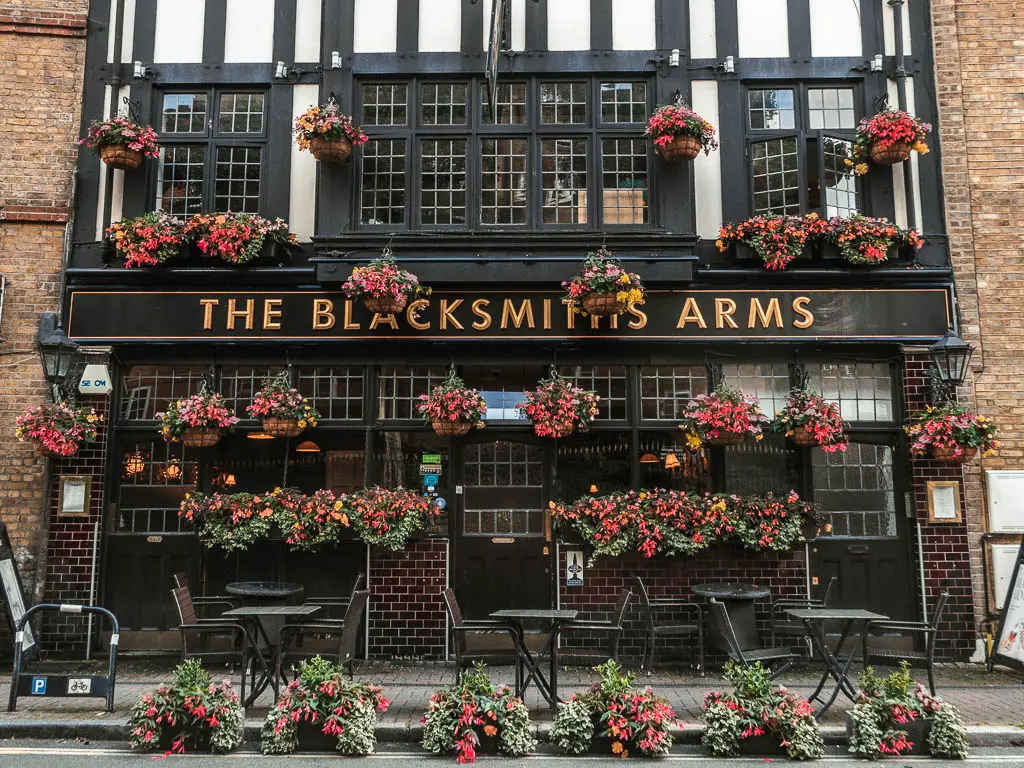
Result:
pixel 739 602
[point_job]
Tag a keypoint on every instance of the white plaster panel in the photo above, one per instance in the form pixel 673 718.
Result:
pixel 302 180
pixel 763 28
pixel 518 24
pixel 707 169
pixel 835 28
pixel 307 30
pixel 249 32
pixel 703 31
pixel 179 31
pixel 633 27
pixel 128 40
pixel 440 26
pixel 889 29
pixel 568 25
pixel 376 26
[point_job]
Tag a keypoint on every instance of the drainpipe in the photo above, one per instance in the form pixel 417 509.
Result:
pixel 900 76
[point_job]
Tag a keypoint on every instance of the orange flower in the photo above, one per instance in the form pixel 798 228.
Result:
pixel 490 730
pixel 617 747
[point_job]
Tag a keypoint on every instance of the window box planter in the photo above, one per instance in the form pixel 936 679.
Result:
pixel 829 252
pixel 917 734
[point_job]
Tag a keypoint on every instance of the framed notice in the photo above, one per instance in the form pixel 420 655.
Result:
pixel 73 500
pixel 1009 647
pixel 943 501
pixel 1005 501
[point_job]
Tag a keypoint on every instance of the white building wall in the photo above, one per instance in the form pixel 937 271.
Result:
pixel 249 32
pixel 128 41
pixel 568 25
pixel 763 28
pixel 179 31
pixel 889 29
pixel 707 169
pixel 633 25
pixel 703 30
pixel 440 27
pixel 303 177
pixel 835 28
pixel 375 26
pixel 307 30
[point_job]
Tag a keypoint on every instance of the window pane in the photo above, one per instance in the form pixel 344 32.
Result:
pixel 179 189
pixel 335 391
pixel 665 390
pixel 385 103
pixel 840 181
pixel 563 102
pixel 148 389
pixel 503 184
pixel 600 459
pixel 564 181
pixel 831 108
pixel 184 113
pixel 771 109
pixel 863 392
pixel 769 382
pixel 443 181
pixel 444 104
pixel 510 105
pixel 624 180
pixel 238 384
pixel 382 199
pixel 238 179
pixel 757 468
pixel 400 388
pixel 241 113
pixel 609 381
pixel 624 102
pixel 854 489
pixel 155 476
pixel 666 462
pixel 776 176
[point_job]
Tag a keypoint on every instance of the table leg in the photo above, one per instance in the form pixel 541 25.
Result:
pixel 819 648
pixel 837 672
pixel 553 679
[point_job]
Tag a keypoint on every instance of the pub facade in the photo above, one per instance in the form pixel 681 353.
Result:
pixel 493 204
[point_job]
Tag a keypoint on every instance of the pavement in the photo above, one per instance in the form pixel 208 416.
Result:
pixel 992 704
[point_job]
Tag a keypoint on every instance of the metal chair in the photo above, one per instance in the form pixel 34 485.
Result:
pixel 222 602
pixel 217 640
pixel 892 657
pixel 465 630
pixel 767 656
pixel 656 629
pixel 332 609
pixel 780 624
pixel 614 627
pixel 337 640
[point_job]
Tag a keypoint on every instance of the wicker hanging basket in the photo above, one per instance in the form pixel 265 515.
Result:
pixel 120 157
pixel 451 428
pixel 281 427
pixel 945 454
pixel 602 304
pixel 803 437
pixel 386 305
pixel 728 438
pixel 201 437
pixel 42 450
pixel 681 149
pixel 892 154
pixel 330 150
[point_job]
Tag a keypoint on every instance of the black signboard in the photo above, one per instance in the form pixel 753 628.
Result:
pixel 704 315
pixel 1009 645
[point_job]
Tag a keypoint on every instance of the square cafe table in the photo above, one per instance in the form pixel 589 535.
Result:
pixel 257 614
pixel 812 619
pixel 548 686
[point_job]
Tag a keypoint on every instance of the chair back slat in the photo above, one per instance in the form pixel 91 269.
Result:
pixel 186 615
pixel 353 625
pixel 830 592
pixel 645 602
pixel 181 580
pixel 940 607
pixel 720 615
pixel 451 605
pixel 357 585
pixel 619 614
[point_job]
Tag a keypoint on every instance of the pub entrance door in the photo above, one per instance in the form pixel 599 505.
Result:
pixel 501 557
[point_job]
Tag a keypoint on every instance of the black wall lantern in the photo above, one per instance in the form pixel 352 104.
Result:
pixel 57 351
pixel 951 356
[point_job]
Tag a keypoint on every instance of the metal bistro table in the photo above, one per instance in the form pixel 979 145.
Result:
pixel 264 590
pixel 739 599
pixel 548 686
pixel 258 614
pixel 813 619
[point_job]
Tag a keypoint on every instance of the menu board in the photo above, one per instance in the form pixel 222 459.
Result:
pixel 10 583
pixel 1009 647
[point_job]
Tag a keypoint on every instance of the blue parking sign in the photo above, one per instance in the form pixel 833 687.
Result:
pixel 38 686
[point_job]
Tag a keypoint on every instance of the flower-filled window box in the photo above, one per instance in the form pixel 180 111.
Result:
pixel 864 240
pixel 148 240
pixel 57 429
pixel 809 420
pixel 604 287
pixel 950 434
pixel 383 287
pixel 776 240
pixel 328 133
pixel 237 238
pixel 283 410
pixel 888 138
pixel 679 133
pixel 198 421
pixel 384 517
pixel 453 408
pixel 121 143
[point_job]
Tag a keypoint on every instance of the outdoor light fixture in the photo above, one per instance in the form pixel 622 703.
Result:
pixel 673 58
pixel 336 60
pixel 280 71
pixel 230 481
pixel 57 352
pixel 173 470
pixel 729 65
pixel 307 446
pixel 259 435
pixel 134 464
pixel 139 70
pixel 951 356
pixel 593 489
pixel 672 461
pixel 876 63
pixel 648 458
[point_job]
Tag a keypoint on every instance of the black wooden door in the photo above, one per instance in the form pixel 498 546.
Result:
pixel 867 549
pixel 501 556
pixel 140 577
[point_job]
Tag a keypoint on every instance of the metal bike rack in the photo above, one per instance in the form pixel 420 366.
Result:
pixel 63 686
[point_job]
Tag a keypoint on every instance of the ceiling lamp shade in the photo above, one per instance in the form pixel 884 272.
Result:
pixel 672 461
pixel 307 446
pixel 593 489
pixel 230 481
pixel 259 435
pixel 648 458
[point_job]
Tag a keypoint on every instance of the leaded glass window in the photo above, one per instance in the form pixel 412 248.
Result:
pixel 399 388
pixel 665 390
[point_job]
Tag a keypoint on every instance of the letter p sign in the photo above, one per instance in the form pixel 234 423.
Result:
pixel 38 686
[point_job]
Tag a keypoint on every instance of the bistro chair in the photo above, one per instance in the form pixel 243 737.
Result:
pixel 216 640
pixel 892 657
pixel 782 625
pixel 767 656
pixel 676 628
pixel 337 640
pixel 613 627
pixel 203 605
pixel 470 640
pixel 333 608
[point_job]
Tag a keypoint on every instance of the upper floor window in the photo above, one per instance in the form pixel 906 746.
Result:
pixel 554 153
pixel 212 151
pixel 798 140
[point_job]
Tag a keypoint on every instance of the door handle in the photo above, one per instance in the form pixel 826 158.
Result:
pixel 858 549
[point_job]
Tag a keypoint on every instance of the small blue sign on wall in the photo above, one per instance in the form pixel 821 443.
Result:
pixel 38 686
pixel 430 481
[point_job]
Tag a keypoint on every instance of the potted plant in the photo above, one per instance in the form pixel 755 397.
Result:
pixel 147 240
pixel 459 718
pixel 679 133
pixel 557 407
pixel 894 716
pixel 777 240
pixel 310 522
pixel 121 143
pixel 383 287
pixel 327 133
pixel 759 718
pixel 237 238
pixel 57 429
pixel 320 708
pixel 772 522
pixel 452 407
pixel 604 287
pixel 809 420
pixel 863 240
pixel 198 421
pixel 725 417
pixel 192 712
pixel 950 434
pixel 283 410
pixel 887 139
pixel 613 710
pixel 233 521
pixel 385 517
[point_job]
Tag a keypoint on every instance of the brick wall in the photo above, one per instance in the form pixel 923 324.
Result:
pixel 407 617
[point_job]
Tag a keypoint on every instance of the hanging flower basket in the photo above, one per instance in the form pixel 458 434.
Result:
pixel 604 288
pixel 283 409
pixel 279 426
pixel 383 286
pixel 725 417
pixel 201 437
pixel 948 455
pixel 120 157
pixel 452 408
pixel 328 133
pixel 803 438
pixel 451 428
pixel 557 407
pixel 121 142
pixel 679 133
pixel 891 154
pixel 887 138
pixel 386 305
pixel 810 420
pixel 680 149
pixel 728 438
pixel 198 420
pixel 602 304
pixel 330 150
pixel 57 430
pixel 950 434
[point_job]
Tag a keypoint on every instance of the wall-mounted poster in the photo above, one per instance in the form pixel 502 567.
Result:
pixel 1005 501
pixel 1009 647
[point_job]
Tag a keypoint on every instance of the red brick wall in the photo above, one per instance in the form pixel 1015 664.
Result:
pixel 407 617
